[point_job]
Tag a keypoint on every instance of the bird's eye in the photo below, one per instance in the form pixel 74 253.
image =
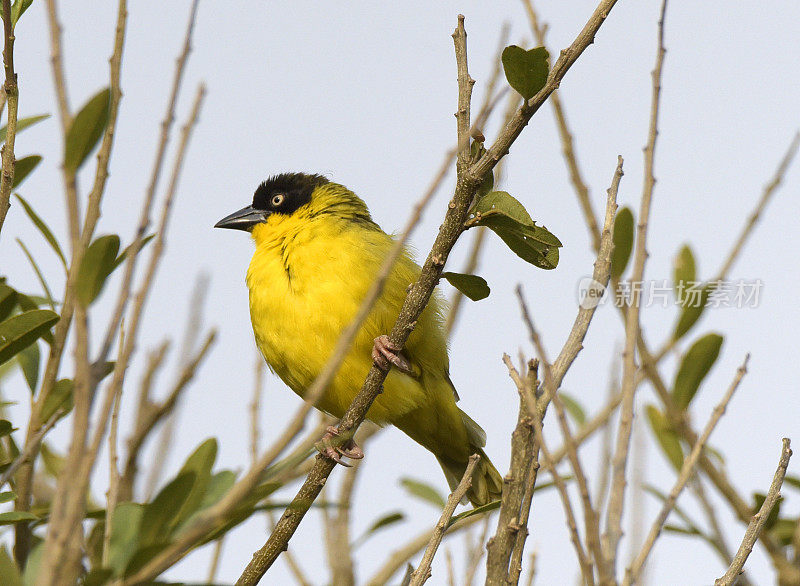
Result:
pixel 277 199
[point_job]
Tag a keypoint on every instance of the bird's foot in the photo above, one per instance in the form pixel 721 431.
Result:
pixel 385 353
pixel 329 449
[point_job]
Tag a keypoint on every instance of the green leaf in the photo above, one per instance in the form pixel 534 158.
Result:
pixel 693 303
pixel 684 272
pixel 29 363
pixel 96 266
pixel 381 523
pixel 574 408
pixel 526 71
pixel 667 438
pixel 793 481
pixel 199 463
pixel 784 530
pixel 423 491
pixel 623 242
pixel 9 573
pixel 772 518
pixel 13 517
pixel 53 461
pixel 694 367
pixel 163 510
pixel 7 496
pixel 473 286
pixel 22 330
pixel 5 427
pixel 509 219
pixel 17 10
pixel 59 397
pixel 218 486
pixel 126 521
pixel 8 300
pixel 22 124
pixel 124 254
pixel 97 577
pixel 39 274
pixel 42 227
pixel 23 168
pixel 86 130
pixel 476 511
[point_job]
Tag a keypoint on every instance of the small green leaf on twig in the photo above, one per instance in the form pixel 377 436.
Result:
pixel 7 496
pixel 22 124
pixel 667 438
pixel 526 71
pixel 684 272
pixel 694 367
pixel 423 491
pixel 381 523
pixel 86 130
pixel 473 286
pixel 8 300
pixel 29 360
pixel 509 219
pixel 59 397
pixel 96 266
pixel 573 407
pixel 43 229
pixel 472 512
pixel 23 168
pixel 623 241
pixel 20 331
pixel 45 287
pixel 124 254
pixel 12 517
pixel 5 427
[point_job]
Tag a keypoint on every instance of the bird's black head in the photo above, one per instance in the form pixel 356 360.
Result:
pixel 284 193
pixel 280 194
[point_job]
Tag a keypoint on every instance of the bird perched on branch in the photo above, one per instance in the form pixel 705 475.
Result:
pixel 317 254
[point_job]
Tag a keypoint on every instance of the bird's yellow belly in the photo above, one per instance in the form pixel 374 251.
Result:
pixel 298 316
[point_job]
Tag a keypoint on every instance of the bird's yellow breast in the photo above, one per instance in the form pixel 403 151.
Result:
pixel 307 280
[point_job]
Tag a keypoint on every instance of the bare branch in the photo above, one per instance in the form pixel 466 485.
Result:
pixel 686 472
pixel 423 571
pixel 632 329
pixel 12 93
pixel 756 524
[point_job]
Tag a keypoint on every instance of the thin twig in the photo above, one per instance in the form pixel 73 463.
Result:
pixel 12 94
pixel 590 514
pixel 688 468
pixel 112 496
pixel 150 193
pixel 756 524
pixel 583 559
pixel 423 571
pixel 399 558
pixel 769 189
pixel 613 532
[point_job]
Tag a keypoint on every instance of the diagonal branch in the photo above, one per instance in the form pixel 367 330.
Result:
pixel 759 519
pixel 687 470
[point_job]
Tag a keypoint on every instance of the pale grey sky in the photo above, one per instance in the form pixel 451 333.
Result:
pixel 365 93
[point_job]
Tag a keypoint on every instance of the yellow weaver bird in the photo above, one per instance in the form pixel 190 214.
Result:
pixel 317 254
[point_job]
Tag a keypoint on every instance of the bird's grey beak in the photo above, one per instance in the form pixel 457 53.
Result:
pixel 244 219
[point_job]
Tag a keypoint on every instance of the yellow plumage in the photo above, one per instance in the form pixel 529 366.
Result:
pixel 311 269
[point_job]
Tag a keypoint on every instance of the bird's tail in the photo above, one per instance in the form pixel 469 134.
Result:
pixel 487 484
